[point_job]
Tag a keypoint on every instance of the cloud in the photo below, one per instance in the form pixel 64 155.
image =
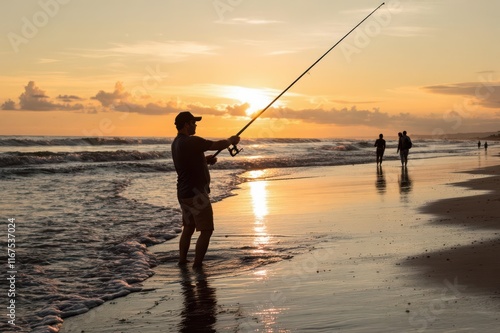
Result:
pixel 407 31
pixel 34 99
pixel 8 105
pixel 344 116
pixel 342 101
pixel 170 51
pixel 121 100
pixel 238 110
pixel 156 109
pixel 486 94
pixel 205 110
pixel 167 51
pixel 448 122
pixel 248 21
pixel 47 61
pixel 69 98
pixel 118 96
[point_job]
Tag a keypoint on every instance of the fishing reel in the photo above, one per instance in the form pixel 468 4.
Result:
pixel 233 150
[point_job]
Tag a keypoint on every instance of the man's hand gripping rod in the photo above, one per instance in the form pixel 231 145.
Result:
pixel 233 149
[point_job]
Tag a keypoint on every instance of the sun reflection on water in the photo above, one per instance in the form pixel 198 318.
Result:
pixel 261 274
pixel 255 174
pixel 259 204
pixel 259 199
pixel 262 241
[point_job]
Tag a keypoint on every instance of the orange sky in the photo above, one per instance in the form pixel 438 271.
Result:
pixel 126 68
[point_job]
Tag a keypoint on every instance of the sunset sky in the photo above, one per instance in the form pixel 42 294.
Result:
pixel 127 67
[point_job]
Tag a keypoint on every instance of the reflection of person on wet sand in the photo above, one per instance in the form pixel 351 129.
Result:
pixel 380 183
pixel 200 303
pixel 380 144
pixel 405 184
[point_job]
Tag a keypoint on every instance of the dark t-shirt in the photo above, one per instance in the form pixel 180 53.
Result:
pixel 191 165
pixel 405 142
pixel 380 144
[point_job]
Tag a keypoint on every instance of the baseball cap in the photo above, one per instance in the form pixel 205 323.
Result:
pixel 185 117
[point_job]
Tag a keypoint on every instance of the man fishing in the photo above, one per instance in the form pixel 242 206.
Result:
pixel 193 184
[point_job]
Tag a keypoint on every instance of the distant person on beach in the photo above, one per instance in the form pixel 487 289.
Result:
pixel 400 135
pixel 193 181
pixel 404 146
pixel 479 144
pixel 485 145
pixel 380 144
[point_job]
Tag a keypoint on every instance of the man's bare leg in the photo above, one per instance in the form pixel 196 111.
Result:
pixel 202 247
pixel 185 242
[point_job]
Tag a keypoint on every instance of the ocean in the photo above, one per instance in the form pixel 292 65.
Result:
pixel 80 213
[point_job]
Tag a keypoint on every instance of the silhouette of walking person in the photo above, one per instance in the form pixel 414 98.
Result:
pixel 380 144
pixel 404 146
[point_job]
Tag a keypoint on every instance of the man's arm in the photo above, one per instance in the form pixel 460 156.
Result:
pixel 223 144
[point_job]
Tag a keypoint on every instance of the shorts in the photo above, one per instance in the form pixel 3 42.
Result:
pixel 197 211
pixel 404 153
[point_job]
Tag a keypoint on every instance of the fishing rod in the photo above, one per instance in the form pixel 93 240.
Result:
pixel 233 149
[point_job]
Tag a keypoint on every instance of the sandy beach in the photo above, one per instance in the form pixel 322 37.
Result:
pixel 382 250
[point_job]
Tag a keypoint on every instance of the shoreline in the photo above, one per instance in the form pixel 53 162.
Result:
pixel 476 264
pixel 364 228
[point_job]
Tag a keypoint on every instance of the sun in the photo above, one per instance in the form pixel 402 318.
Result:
pixel 257 99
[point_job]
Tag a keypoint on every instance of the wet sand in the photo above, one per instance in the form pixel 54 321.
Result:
pixel 477 263
pixel 381 250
